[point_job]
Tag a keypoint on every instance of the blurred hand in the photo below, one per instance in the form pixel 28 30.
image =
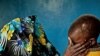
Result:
pixel 80 49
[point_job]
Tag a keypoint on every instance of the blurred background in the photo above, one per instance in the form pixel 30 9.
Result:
pixel 56 16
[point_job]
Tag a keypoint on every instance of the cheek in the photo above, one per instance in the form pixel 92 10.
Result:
pixel 79 40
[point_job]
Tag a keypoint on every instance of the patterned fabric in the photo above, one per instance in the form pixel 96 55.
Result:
pixel 25 37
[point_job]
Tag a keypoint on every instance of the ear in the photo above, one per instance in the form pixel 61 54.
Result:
pixel 93 41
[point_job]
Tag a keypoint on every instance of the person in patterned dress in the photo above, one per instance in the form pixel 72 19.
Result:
pixel 25 37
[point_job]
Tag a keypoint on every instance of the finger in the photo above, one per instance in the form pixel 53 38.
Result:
pixel 82 45
pixel 81 49
pixel 76 46
pixel 79 52
pixel 85 53
pixel 85 45
pixel 88 44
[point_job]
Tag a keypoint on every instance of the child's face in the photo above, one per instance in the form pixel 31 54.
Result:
pixel 78 37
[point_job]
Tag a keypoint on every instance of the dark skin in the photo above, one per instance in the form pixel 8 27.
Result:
pixel 79 44
pixel 83 35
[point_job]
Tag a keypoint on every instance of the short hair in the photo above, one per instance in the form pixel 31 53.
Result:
pixel 92 26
